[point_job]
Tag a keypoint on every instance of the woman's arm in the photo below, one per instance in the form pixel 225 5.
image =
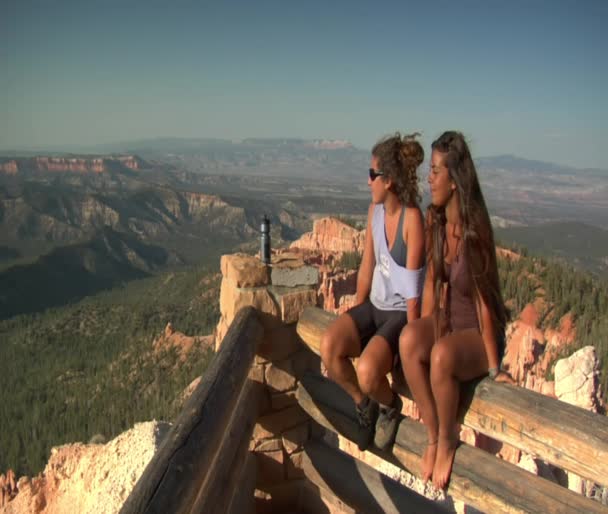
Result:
pixel 413 235
pixel 368 261
pixel 428 291
pixel 488 334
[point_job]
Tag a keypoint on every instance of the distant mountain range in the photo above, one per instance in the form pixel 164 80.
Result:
pixel 197 198
pixel 71 163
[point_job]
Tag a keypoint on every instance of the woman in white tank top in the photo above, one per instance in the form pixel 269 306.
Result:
pixel 389 284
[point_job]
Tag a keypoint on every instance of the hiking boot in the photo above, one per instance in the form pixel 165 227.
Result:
pixel 387 424
pixel 367 414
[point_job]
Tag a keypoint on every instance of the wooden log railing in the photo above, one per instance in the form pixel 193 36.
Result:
pixel 204 455
pixel 563 435
pixel 367 490
pixel 478 478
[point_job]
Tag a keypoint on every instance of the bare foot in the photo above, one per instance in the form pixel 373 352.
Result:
pixel 446 448
pixel 428 461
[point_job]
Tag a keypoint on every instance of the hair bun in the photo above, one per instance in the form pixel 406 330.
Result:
pixel 412 152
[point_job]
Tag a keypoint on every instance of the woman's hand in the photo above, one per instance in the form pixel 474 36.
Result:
pixel 504 377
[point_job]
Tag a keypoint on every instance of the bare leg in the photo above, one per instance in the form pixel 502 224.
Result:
pixel 415 345
pixel 339 344
pixel 375 362
pixel 455 358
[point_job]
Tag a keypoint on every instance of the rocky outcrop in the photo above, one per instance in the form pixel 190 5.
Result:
pixel 89 478
pixel 8 487
pixel 337 289
pixel 576 379
pixel 505 253
pixel 330 235
pixel 531 351
pixel 182 343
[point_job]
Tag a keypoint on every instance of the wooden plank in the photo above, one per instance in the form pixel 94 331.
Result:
pixel 566 436
pixel 359 485
pixel 218 486
pixel 478 478
pixel 173 478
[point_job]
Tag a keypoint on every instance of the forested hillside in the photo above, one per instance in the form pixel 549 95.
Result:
pixel 85 369
pixel 565 290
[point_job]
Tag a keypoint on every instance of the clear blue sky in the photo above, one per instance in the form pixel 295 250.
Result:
pixel 521 77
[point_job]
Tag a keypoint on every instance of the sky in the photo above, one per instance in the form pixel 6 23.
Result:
pixel 527 78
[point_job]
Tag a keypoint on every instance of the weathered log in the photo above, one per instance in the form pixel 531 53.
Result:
pixel 173 478
pixel 219 485
pixel 561 434
pixel 478 478
pixel 359 485
pixel 312 324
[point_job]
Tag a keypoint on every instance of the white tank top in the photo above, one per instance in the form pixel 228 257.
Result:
pixel 392 284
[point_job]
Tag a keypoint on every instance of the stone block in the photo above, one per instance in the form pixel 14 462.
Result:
pixel 270 321
pixel 256 373
pixel 294 465
pixel 279 376
pixel 293 277
pixel 264 403
pixel 279 343
pixel 268 445
pixel 260 360
pixel 270 467
pixel 292 301
pixel 244 270
pixel 281 401
pixel 305 360
pixel 232 299
pixel 275 423
pixel 294 438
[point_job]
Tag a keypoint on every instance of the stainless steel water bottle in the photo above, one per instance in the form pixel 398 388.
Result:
pixel 265 240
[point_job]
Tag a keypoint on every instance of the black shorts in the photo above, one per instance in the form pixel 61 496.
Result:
pixel 371 321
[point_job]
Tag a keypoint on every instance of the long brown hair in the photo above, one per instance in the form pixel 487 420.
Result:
pixel 478 236
pixel 398 159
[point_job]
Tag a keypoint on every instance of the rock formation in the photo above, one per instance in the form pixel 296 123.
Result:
pixel 531 351
pixel 8 487
pixel 330 235
pixel 182 343
pixel 89 478
pixel 576 379
pixel 100 164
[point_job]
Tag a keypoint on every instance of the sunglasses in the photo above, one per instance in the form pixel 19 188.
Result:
pixel 373 174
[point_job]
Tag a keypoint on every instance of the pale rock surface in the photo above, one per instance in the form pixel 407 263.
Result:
pixel 576 379
pixel 89 478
